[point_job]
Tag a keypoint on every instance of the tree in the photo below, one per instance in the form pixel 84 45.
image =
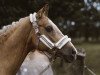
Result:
pixel 80 17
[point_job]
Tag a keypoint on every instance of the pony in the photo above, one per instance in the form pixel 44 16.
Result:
pixel 36 31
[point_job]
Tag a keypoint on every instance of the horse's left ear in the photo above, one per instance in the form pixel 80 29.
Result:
pixel 46 9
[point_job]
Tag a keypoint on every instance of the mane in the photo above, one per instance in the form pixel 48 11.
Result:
pixel 7 30
pixel 8 27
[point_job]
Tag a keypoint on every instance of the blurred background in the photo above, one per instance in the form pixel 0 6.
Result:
pixel 79 19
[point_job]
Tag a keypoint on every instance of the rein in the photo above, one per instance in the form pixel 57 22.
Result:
pixel 88 69
pixel 44 39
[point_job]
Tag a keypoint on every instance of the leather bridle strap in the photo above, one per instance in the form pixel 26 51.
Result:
pixel 44 39
pixel 62 42
pixel 33 21
pixel 58 45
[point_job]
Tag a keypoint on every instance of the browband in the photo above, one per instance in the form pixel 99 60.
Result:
pixel 33 21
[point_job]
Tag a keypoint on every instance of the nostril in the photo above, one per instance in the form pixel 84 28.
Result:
pixel 73 52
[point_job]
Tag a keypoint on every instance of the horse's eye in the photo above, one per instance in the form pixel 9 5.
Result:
pixel 49 28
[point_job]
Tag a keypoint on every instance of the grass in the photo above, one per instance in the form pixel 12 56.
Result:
pixel 92 59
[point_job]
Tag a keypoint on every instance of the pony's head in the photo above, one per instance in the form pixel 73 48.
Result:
pixel 49 37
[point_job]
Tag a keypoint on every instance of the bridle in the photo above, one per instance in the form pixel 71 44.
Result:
pixel 44 39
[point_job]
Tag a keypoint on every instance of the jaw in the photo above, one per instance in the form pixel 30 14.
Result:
pixel 67 57
pixel 70 58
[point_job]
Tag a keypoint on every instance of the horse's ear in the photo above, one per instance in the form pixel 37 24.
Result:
pixel 42 11
pixel 46 9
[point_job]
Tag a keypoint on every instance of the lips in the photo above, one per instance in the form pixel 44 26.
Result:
pixel 70 58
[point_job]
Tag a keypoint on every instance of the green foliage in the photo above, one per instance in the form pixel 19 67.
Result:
pixel 84 15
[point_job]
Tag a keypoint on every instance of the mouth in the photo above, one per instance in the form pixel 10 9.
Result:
pixel 70 58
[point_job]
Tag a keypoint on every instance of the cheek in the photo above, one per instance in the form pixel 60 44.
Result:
pixel 42 31
pixel 42 47
pixel 50 35
pixel 55 37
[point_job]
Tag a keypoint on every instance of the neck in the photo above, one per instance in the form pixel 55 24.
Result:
pixel 7 30
pixel 14 49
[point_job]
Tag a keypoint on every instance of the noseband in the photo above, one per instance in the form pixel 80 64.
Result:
pixel 44 39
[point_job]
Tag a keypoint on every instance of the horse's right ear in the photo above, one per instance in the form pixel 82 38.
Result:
pixel 40 13
pixel 46 9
